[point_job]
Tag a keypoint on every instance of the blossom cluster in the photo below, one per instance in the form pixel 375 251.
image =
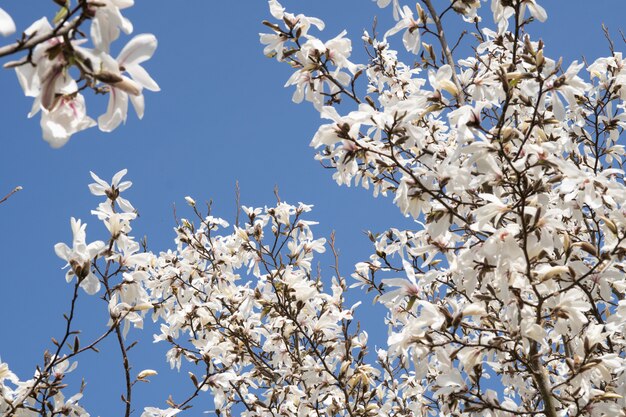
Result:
pixel 244 307
pixel 59 67
pixel 510 164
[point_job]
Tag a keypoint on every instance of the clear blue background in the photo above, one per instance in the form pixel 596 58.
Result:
pixel 222 116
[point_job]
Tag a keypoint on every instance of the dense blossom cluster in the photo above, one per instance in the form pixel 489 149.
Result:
pixel 508 299
pixel 510 164
pixel 58 67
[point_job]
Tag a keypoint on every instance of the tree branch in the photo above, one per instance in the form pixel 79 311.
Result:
pixel 446 50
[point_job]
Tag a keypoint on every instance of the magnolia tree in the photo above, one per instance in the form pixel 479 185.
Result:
pixel 507 299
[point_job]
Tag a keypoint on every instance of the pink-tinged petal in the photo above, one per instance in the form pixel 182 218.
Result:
pixel 48 86
pixel 116 111
pixel 7 25
pixel 140 75
pixel 138 49
pixel 67 118
pixel 62 251
pixel 139 105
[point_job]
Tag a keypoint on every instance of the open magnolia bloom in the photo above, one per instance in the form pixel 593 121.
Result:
pixel 79 257
pixel 67 117
pixel 122 88
pixel 55 92
pixel 410 25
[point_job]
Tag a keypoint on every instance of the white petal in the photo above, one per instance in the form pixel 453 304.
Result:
pixel 444 73
pixel 62 251
pixel 54 133
pixel 98 37
pixel 124 4
pixel 118 176
pixel 125 204
pixel 538 12
pixel 318 23
pixel 557 106
pixel 27 77
pixel 99 180
pixel 40 27
pixel 90 284
pixel 276 9
pixel 140 75
pixel 138 49
pixel 397 28
pixel 138 104
pixel 36 107
pixel 411 40
pixel 116 111
pixel 7 25
pixel 127 26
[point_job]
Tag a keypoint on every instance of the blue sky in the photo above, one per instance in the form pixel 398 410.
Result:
pixel 222 116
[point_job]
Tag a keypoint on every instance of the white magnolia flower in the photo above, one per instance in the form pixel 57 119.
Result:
pixel 112 192
pixel 79 257
pixel 139 49
pixel 55 93
pixel 410 25
pixel 396 6
pixel 66 118
pixel 442 79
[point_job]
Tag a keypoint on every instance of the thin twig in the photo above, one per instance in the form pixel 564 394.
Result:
pixel 237 203
pixel 6 197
